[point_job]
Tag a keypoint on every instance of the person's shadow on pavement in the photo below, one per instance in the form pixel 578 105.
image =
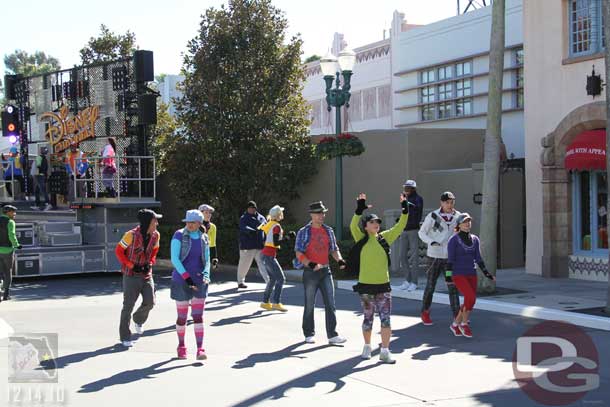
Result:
pixel 130 376
pixel 287 352
pixel 66 360
pixel 243 319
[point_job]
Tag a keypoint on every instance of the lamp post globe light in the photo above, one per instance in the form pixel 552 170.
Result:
pixel 332 68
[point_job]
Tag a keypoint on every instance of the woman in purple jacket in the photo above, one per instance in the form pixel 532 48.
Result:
pixel 464 252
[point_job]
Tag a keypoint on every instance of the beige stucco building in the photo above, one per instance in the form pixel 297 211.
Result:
pixel 566 207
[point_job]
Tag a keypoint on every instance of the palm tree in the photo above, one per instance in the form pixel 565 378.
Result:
pixel 606 16
pixel 493 142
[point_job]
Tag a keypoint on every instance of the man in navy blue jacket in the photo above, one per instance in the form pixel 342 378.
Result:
pixel 409 241
pixel 251 240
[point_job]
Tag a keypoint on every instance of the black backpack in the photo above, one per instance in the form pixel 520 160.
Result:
pixel 353 258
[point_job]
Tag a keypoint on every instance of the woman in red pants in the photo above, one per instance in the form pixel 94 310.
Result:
pixel 464 252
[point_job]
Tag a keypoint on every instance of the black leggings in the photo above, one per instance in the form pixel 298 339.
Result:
pixel 437 268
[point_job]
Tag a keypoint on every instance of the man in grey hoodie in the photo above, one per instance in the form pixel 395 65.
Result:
pixel 436 230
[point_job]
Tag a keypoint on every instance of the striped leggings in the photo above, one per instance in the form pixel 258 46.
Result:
pixel 197 306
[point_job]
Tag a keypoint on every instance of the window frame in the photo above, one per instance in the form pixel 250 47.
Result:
pixel 596 38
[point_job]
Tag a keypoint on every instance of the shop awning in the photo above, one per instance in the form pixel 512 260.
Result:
pixel 587 151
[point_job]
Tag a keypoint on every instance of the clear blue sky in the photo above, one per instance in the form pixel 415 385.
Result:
pixel 61 28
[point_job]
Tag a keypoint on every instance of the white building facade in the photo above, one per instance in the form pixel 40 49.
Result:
pixel 433 76
pixel 169 91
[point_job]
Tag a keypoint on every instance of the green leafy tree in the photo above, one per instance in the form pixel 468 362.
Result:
pixel 163 135
pixel 108 46
pixel 243 121
pixel 312 58
pixel 21 62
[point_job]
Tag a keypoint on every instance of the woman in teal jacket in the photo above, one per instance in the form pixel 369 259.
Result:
pixel 371 256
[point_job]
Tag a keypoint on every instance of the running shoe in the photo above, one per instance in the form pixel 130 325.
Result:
pixel 279 307
pixel 366 352
pixel 336 340
pixel 181 352
pixel 465 329
pixel 201 354
pixel 386 357
pixel 425 318
pixel 455 330
pixel 267 306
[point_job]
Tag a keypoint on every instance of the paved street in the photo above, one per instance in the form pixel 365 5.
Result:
pixel 259 358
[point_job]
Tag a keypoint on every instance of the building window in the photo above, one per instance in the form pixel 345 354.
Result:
pixel 445 91
pixel 445 110
pixel 427 76
pixel 463 107
pixel 427 94
pixel 463 88
pixel 586 27
pixel 427 113
pixel 445 72
pixel 590 213
pixel 519 78
pixel 519 56
pixel 463 69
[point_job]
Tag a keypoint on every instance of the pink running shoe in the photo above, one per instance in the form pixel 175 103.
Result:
pixel 201 354
pixel 181 352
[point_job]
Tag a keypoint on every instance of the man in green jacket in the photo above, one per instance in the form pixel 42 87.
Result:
pixel 8 244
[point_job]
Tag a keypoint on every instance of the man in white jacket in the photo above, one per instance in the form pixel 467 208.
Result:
pixel 438 227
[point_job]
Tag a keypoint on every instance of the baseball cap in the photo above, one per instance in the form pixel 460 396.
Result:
pixel 410 183
pixel 193 215
pixel 205 207
pixel 447 195
pixel 275 211
pixel 252 204
pixel 145 215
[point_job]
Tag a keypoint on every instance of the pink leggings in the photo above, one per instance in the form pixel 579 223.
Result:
pixel 197 306
pixel 467 285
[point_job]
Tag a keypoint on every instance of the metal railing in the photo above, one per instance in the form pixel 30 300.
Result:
pixel 8 184
pixel 94 182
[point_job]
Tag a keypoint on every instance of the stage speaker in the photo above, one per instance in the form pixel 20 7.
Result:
pixel 143 64
pixel 147 109
pixel 10 82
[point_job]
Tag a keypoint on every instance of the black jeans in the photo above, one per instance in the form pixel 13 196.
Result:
pixel 437 268
pixel 313 281
pixel 7 262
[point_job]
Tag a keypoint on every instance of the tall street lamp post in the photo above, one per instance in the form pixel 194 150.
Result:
pixel 332 68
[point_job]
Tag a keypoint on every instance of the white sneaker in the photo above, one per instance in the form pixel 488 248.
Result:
pixel 139 329
pixel 366 352
pixel 127 344
pixel 310 339
pixel 412 287
pixel 47 207
pixel 335 340
pixel 386 357
pixel 404 286
pixel 35 208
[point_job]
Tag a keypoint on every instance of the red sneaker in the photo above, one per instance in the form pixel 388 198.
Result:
pixel 425 318
pixel 455 330
pixel 201 354
pixel 181 352
pixel 465 329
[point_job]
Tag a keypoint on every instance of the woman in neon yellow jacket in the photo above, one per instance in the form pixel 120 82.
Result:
pixel 370 257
